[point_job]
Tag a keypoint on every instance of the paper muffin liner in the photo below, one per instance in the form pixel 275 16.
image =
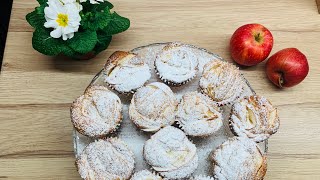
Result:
pixel 230 125
pixel 154 173
pixel 202 177
pixel 172 83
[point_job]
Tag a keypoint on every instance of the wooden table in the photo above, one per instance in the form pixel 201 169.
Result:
pixel 36 90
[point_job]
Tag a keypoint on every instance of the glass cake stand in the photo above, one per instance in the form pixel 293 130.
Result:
pixel 136 138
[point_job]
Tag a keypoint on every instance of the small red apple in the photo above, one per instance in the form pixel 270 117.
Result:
pixel 251 44
pixel 287 67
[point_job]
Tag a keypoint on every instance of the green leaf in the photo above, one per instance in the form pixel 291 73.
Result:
pixel 117 24
pixel 96 20
pixel 106 4
pixel 67 51
pixel 36 18
pixel 83 42
pixel 103 41
pixel 88 7
pixel 41 2
pixel 45 44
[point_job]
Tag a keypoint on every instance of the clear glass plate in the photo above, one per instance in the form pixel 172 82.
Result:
pixel 136 138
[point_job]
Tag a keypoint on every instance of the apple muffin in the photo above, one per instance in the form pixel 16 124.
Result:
pixel 106 159
pixel 171 153
pixel 254 117
pixel 145 175
pixel 97 112
pixel 239 158
pixel 221 81
pixel 153 107
pixel 125 72
pixel 198 115
pixel 176 64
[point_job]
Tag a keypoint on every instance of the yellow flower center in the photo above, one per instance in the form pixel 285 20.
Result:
pixel 62 20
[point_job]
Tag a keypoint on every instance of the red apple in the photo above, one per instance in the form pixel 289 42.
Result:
pixel 251 44
pixel 287 67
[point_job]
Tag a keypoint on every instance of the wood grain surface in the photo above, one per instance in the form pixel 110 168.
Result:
pixel 36 90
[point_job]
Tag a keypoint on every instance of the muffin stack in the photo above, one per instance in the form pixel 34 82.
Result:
pixel 171 121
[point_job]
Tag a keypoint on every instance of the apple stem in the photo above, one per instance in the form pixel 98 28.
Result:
pixel 281 80
pixel 257 37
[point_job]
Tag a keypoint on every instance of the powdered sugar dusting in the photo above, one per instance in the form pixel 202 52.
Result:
pixel 97 112
pixel 254 117
pixel 106 159
pixel 127 73
pixel 145 175
pixel 198 115
pixel 239 158
pixel 221 81
pixel 170 152
pixel 176 63
pixel 201 177
pixel 153 107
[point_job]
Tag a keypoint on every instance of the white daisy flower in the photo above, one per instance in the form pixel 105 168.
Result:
pixel 63 18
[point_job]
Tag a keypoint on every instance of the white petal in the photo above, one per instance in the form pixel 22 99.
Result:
pixel 93 2
pixel 60 8
pixel 51 2
pixel 64 37
pixel 51 24
pixel 67 30
pixel 74 24
pixel 68 1
pixel 55 5
pixel 70 35
pixel 50 13
pixel 74 17
pixel 73 9
pixel 56 33
pixel 79 6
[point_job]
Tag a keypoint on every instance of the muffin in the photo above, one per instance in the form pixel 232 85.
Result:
pixel 97 112
pixel 125 72
pixel 170 153
pixel 221 81
pixel 201 177
pixel 145 175
pixel 176 64
pixel 254 117
pixel 239 158
pixel 198 115
pixel 153 107
pixel 106 159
